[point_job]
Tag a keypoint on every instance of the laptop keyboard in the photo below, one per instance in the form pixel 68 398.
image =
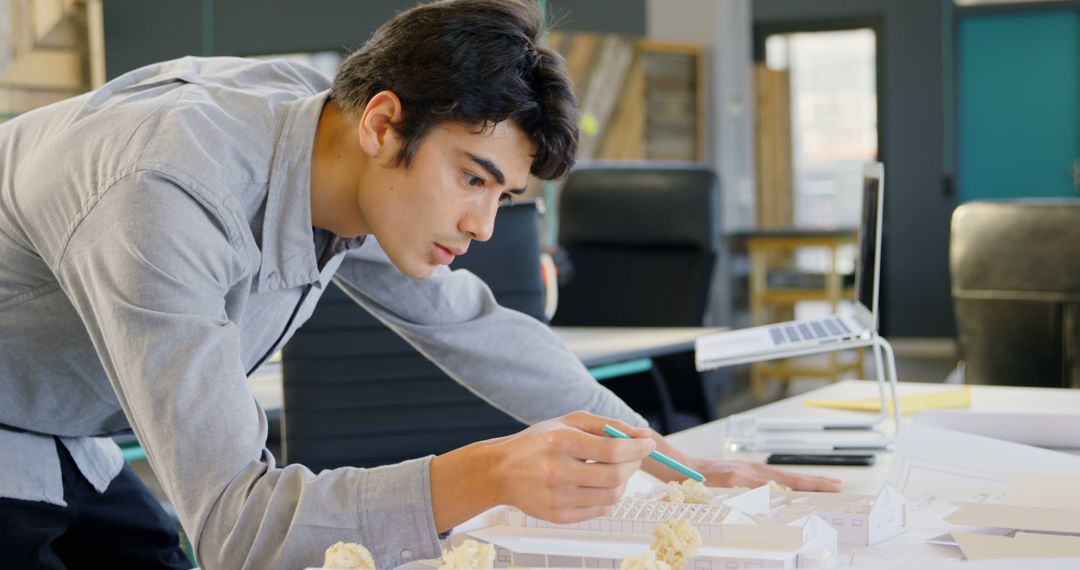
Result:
pixel 808 330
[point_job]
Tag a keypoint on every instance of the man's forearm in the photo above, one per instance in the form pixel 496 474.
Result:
pixel 463 485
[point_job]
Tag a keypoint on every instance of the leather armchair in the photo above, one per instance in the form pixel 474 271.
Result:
pixel 1015 268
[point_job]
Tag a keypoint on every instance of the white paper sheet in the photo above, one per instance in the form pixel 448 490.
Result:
pixel 931 462
pixel 1044 429
pixel 1030 564
pixel 1022 545
pixel 1052 491
pixel 939 470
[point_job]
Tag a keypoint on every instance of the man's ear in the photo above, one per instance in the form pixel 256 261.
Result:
pixel 376 133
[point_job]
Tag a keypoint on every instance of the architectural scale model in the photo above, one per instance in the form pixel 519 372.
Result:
pixel 740 528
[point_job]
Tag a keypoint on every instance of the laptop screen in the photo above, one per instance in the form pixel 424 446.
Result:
pixel 867 274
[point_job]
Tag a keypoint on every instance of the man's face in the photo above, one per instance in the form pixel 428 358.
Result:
pixel 428 213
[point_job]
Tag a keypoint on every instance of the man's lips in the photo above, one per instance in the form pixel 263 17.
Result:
pixel 445 255
pixel 454 250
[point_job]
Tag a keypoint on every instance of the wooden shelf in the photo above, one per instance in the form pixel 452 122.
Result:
pixel 795 295
pixel 768 304
pixel 640 99
pixel 809 367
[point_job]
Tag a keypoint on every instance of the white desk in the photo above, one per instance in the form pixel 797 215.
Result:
pixel 909 549
pixel 708 439
pixel 595 346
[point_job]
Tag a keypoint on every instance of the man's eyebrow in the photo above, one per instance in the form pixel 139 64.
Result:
pixel 493 170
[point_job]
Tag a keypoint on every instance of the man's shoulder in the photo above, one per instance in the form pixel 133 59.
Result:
pixel 202 90
pixel 215 118
pixel 226 115
pixel 269 77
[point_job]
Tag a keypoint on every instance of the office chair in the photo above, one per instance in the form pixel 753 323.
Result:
pixel 642 241
pixel 356 394
pixel 1015 268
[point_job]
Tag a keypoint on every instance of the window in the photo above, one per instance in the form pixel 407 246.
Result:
pixel 833 119
pixel 817 128
pixel 830 78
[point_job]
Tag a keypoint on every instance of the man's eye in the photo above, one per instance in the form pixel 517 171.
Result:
pixel 506 199
pixel 472 180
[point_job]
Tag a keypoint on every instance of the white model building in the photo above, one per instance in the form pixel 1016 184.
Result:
pixel 860 520
pixel 729 538
pixel 755 528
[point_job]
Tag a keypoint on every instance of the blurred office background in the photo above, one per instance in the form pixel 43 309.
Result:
pixel 784 100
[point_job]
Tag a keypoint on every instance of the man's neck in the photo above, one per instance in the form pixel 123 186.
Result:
pixel 336 161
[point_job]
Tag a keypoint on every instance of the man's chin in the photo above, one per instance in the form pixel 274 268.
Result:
pixel 415 267
pixel 425 274
pixel 416 270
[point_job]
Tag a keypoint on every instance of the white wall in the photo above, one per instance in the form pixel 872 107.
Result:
pixel 5 35
pixel 724 28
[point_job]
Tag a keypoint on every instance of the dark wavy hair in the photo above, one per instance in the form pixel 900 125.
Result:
pixel 475 62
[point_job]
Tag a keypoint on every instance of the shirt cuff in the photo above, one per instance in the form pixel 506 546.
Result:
pixel 395 511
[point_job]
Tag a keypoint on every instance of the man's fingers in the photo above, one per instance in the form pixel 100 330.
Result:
pixel 821 484
pixel 743 480
pixel 576 515
pixel 594 424
pixel 587 422
pixel 799 482
pixel 588 447
pixel 567 497
pixel 588 497
pixel 635 432
pixel 594 445
pixel 599 475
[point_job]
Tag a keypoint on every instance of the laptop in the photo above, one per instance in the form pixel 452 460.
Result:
pixel 808 336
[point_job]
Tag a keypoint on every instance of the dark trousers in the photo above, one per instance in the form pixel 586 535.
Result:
pixel 124 527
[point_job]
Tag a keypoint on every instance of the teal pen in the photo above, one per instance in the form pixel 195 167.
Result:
pixel 660 457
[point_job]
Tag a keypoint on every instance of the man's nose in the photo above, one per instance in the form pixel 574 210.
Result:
pixel 480 224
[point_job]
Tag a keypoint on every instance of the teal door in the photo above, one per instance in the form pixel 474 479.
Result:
pixel 1018 104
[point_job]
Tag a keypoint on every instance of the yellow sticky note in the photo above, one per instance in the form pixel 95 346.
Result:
pixel 955 398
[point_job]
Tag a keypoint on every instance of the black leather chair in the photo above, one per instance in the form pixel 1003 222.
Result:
pixel 1015 269
pixel 357 394
pixel 641 242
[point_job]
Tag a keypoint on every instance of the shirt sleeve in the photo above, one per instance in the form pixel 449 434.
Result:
pixel 148 270
pixel 509 359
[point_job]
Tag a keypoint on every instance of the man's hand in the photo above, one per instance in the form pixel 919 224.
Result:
pixel 563 470
pixel 566 470
pixel 735 473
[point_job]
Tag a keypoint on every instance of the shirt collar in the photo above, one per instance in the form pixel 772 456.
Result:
pixel 288 250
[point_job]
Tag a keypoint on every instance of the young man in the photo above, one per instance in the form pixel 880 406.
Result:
pixel 162 236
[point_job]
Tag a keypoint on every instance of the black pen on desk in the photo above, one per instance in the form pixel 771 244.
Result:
pixel 863 460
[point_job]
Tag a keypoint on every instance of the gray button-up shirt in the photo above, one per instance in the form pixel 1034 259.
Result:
pixel 155 243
